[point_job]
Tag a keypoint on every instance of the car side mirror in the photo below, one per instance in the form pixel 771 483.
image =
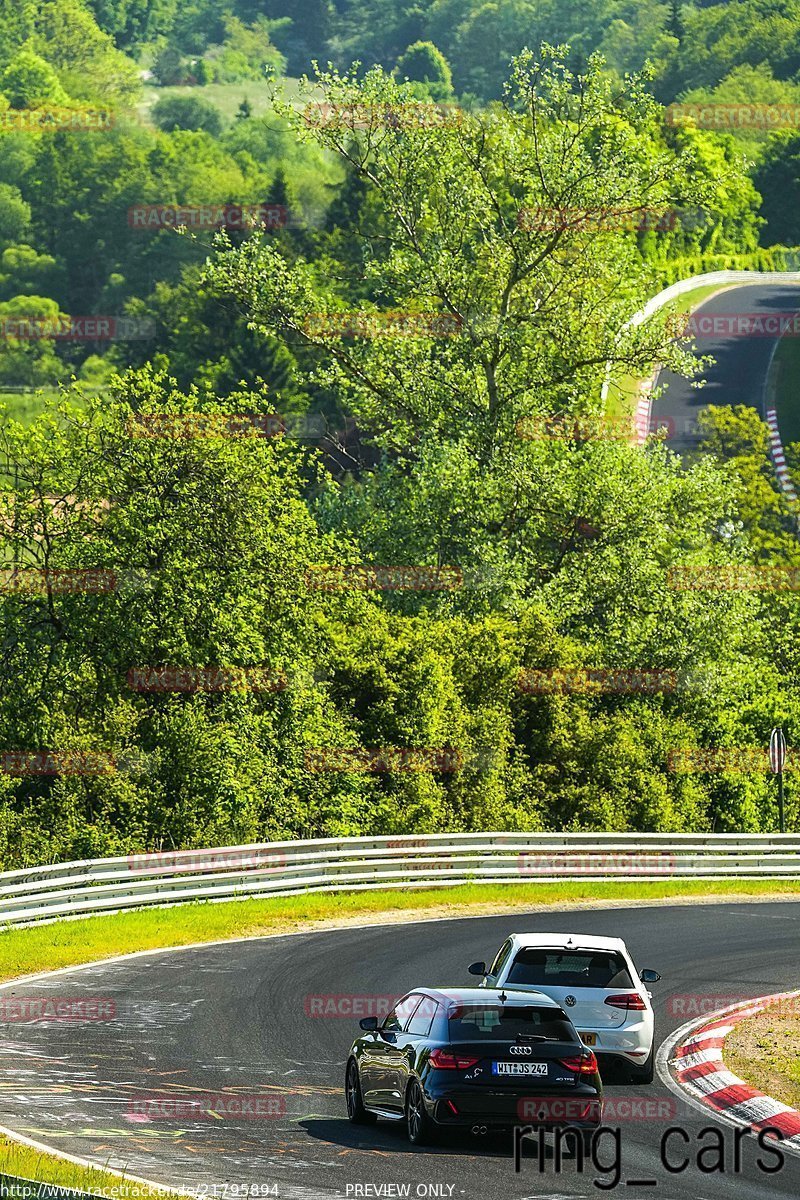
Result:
pixel 649 976
pixel 477 968
pixel 370 1024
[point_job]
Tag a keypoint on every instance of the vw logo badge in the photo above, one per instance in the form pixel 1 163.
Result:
pixel 569 1001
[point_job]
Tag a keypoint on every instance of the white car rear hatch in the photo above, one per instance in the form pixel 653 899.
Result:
pixel 580 980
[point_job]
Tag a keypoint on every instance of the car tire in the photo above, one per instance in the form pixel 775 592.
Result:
pixel 646 1072
pixel 418 1124
pixel 355 1101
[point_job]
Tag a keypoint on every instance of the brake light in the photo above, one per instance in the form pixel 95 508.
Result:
pixel 444 1060
pixel 627 1000
pixel 581 1064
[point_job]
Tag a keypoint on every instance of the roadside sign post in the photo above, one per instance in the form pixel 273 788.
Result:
pixel 777 757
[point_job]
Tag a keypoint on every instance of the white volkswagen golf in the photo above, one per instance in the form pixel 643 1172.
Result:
pixel 595 981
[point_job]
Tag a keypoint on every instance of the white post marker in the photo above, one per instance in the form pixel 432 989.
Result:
pixel 777 757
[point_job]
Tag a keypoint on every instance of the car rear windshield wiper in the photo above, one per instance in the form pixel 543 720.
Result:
pixel 536 1037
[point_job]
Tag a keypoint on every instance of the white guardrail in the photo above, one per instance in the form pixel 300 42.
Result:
pixel 35 895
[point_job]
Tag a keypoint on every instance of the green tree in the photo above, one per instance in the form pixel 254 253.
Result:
pixel 423 63
pixel 15 214
pixel 303 29
pixel 89 65
pixel 206 543
pixel 27 357
pixel 187 112
pixel 530 309
pixel 777 177
pixel 30 82
pixel 169 66
pixel 16 26
pixel 675 24
pixel 203 71
pixel 23 272
pixel 247 51
pixel 133 22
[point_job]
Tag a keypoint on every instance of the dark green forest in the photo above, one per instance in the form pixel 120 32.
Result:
pixel 141 461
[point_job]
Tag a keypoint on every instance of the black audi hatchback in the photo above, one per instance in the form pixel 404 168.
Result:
pixel 474 1058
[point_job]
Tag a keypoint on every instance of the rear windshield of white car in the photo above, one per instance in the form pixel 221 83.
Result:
pixel 470 1023
pixel 570 968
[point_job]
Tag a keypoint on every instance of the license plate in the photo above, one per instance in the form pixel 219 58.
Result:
pixel 519 1068
pixel 589 1039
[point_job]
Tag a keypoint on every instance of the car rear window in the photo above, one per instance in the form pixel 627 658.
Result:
pixel 570 968
pixel 489 1022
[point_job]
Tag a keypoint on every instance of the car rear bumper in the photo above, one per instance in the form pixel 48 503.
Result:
pixel 633 1043
pixel 497 1107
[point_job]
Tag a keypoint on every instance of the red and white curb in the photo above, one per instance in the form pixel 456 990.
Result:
pixel 778 456
pixel 692 1065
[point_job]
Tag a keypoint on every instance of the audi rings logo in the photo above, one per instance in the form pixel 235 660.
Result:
pixel 570 1001
pixel 520 1050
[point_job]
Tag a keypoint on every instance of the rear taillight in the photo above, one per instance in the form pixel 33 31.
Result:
pixel 444 1060
pixel 627 1000
pixel 581 1064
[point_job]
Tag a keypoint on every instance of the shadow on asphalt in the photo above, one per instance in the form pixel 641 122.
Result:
pixel 391 1136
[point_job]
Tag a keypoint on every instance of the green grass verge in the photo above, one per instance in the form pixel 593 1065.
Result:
pixel 70 943
pixel 764 1051
pixel 44 1168
pixel 784 376
pixel 693 299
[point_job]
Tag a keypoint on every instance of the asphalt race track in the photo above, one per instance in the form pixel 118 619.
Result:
pixel 737 376
pixel 235 1019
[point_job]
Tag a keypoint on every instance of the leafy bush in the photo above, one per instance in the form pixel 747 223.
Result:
pixel 30 82
pixel 187 112
pixel 423 63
